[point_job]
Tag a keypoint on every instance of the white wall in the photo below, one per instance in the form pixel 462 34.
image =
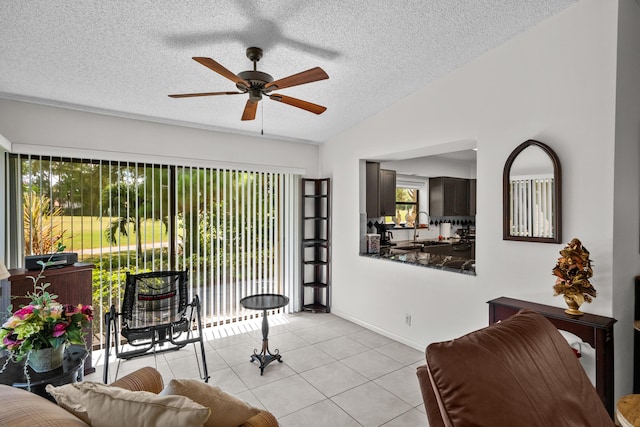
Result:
pixel 39 129
pixel 556 84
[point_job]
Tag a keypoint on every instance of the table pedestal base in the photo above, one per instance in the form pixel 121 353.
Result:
pixel 265 356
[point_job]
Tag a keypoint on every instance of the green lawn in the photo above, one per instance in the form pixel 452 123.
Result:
pixel 87 232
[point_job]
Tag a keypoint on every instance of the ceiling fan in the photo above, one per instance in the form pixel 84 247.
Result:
pixel 257 83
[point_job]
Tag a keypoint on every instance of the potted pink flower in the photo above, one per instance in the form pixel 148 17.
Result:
pixel 43 325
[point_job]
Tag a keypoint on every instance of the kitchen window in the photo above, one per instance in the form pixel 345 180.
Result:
pixel 406 207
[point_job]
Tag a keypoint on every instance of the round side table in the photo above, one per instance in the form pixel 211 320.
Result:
pixel 72 370
pixel 628 410
pixel 265 302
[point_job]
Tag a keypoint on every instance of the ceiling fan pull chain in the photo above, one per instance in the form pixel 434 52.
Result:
pixel 262 124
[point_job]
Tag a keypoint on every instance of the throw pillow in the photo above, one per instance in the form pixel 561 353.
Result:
pixel 108 406
pixel 69 397
pixel 226 410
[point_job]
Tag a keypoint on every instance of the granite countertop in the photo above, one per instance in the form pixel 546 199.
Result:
pixel 426 259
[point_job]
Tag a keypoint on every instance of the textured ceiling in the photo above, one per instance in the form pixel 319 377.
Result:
pixel 124 57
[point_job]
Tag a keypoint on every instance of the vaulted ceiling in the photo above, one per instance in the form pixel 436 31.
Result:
pixel 124 57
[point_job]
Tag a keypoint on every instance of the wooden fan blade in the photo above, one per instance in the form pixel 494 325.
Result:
pixel 250 109
pixel 312 75
pixel 213 65
pixel 188 95
pixel 305 105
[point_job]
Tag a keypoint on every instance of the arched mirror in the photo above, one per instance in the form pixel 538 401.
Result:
pixel 532 194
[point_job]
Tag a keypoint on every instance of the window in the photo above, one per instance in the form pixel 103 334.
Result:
pixel 234 231
pixel 406 207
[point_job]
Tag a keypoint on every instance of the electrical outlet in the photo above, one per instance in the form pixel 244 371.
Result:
pixel 407 319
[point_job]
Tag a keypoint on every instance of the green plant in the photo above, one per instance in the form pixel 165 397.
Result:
pixel 41 231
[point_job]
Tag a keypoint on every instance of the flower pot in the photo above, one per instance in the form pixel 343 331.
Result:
pixel 573 306
pixel 46 359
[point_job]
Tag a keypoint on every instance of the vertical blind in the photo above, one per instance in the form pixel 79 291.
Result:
pixel 532 207
pixel 235 231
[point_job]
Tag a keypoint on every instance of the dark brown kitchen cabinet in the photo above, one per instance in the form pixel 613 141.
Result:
pixel 448 196
pixel 387 192
pixel 472 196
pixel 373 189
pixel 380 190
pixel 316 245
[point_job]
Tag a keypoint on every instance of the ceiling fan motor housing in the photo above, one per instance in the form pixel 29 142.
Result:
pixel 257 79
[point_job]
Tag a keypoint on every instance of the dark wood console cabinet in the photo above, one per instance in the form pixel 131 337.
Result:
pixel 72 284
pixel 596 330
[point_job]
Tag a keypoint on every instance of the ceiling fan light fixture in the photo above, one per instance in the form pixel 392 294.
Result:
pixel 255 94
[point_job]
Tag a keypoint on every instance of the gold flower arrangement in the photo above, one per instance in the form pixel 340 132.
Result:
pixel 573 271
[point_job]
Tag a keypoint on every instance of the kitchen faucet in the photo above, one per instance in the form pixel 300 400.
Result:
pixel 417 223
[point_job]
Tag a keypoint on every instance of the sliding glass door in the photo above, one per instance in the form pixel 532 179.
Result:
pixel 235 231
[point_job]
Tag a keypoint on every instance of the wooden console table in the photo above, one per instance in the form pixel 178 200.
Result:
pixel 596 330
pixel 72 284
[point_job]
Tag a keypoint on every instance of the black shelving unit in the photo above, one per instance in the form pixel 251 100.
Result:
pixel 316 245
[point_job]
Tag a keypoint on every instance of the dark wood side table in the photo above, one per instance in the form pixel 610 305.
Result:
pixel 591 328
pixel 70 372
pixel 265 302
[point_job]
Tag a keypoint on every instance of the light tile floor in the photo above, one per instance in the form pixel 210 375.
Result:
pixel 333 372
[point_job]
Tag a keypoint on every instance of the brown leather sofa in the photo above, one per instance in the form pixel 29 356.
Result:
pixel 519 372
pixel 21 408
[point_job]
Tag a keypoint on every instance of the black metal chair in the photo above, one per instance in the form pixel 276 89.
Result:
pixel 156 317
